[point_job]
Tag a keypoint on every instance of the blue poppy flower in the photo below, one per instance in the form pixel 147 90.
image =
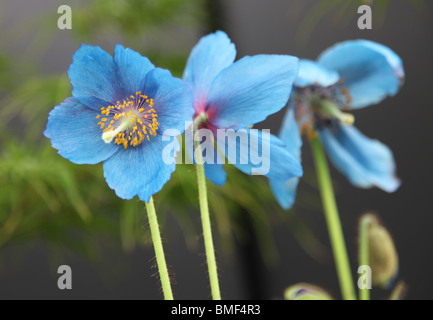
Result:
pixel 348 76
pixel 120 108
pixel 234 96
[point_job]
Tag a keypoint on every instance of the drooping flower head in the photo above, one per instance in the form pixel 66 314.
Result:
pixel 348 76
pixel 120 109
pixel 236 95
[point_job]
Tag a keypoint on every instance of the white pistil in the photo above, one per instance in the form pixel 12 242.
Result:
pixel 329 108
pixel 347 118
pixel 108 136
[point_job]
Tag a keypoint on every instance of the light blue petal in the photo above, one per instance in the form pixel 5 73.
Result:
pixel 139 170
pixel 250 90
pixel 214 172
pixel 311 73
pixel 285 190
pixel 290 134
pixel 256 152
pixel 208 58
pixel 94 78
pixel 369 70
pixel 74 131
pixel 364 161
pixel 393 59
pixel 132 68
pixel 173 101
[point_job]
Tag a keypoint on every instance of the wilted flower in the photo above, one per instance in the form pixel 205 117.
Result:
pixel 346 77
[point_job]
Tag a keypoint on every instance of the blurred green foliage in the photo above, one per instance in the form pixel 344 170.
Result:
pixel 45 197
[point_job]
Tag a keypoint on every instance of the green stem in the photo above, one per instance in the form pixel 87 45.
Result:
pixel 364 294
pixel 205 218
pixel 333 221
pixel 159 250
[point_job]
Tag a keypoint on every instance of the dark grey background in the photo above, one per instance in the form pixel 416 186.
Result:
pixel 403 123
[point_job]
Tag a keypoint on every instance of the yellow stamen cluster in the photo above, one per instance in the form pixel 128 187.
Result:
pixel 129 122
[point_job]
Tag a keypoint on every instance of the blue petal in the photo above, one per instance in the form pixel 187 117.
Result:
pixel 285 190
pixel 74 131
pixel 364 161
pixel 257 152
pixel 208 58
pixel 139 170
pixel 250 90
pixel 369 70
pixel 173 100
pixel 290 134
pixel 94 78
pixel 312 73
pixel 393 59
pixel 214 172
pixel 132 68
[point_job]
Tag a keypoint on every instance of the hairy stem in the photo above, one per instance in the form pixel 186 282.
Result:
pixel 205 218
pixel 159 250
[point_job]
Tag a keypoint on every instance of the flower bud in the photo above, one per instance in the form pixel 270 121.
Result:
pixel 306 291
pixel 383 257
